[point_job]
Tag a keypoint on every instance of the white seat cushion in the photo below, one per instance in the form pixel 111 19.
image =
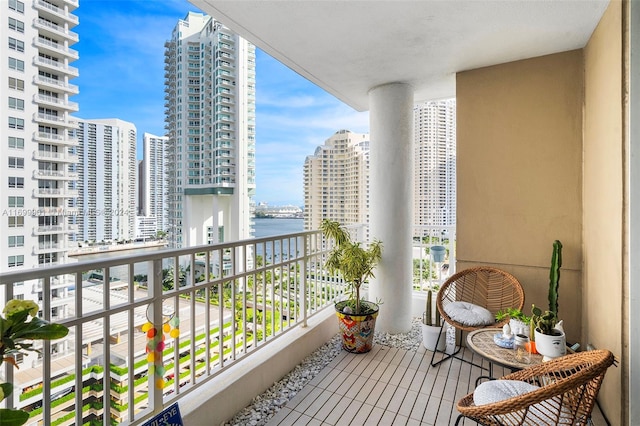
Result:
pixel 499 390
pixel 469 314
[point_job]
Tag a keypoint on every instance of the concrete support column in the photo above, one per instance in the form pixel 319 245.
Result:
pixel 391 202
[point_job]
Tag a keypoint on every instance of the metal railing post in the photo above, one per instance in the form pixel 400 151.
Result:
pixel 155 315
pixel 304 276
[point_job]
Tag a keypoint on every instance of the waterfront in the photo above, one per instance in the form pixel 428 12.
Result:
pixel 263 228
pixel 267 227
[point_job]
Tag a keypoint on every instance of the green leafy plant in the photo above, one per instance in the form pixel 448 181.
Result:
pixel 513 313
pixel 354 262
pixel 18 328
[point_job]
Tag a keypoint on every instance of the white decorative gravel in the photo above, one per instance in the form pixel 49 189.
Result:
pixel 267 404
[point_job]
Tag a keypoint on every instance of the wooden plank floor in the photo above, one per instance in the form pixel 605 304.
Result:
pixel 386 386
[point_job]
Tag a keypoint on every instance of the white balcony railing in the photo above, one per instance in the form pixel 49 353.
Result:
pixel 228 301
pixel 55 156
pixel 57 47
pixel 60 84
pixel 50 26
pixel 40 4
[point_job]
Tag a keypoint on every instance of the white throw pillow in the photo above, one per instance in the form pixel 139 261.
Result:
pixel 469 314
pixel 499 390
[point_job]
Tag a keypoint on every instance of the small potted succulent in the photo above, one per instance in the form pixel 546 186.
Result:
pixel 355 264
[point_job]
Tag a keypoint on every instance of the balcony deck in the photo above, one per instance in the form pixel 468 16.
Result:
pixel 387 386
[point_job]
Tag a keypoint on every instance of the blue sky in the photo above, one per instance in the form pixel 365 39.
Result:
pixel 122 76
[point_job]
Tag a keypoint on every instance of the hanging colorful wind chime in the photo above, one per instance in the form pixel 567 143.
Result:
pixel 156 344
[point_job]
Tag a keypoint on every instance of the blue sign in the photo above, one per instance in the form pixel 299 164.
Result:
pixel 170 416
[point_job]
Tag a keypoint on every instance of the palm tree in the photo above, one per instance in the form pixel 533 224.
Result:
pixel 349 258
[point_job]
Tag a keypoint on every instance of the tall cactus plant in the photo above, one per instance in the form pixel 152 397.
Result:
pixel 428 315
pixel 428 319
pixel 554 276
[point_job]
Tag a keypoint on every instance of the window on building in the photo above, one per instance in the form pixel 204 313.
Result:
pixel 16 5
pixel 46 258
pixel 16 163
pixel 17 143
pixel 16 221
pixel 16 182
pixel 16 25
pixel 16 64
pixel 15 103
pixel 17 45
pixel 16 261
pixel 16 202
pixel 16 240
pixel 16 123
pixel 16 83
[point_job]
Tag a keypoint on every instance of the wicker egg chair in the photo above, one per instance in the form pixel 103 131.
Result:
pixel 568 387
pixel 488 287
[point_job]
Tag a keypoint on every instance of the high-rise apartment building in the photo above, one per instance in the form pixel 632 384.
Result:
pixel 336 181
pixel 152 185
pixel 107 174
pixel 435 163
pixel 36 131
pixel 210 123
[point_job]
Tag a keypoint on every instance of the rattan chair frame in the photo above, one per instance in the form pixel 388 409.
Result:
pixel 489 287
pixel 568 390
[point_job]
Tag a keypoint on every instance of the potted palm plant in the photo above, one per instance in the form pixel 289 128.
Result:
pixel 355 263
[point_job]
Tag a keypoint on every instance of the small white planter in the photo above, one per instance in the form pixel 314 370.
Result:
pixel 430 334
pixel 551 346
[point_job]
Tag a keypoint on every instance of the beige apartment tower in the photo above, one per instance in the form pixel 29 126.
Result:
pixel 336 181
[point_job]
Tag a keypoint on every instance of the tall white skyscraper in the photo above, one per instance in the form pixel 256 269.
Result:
pixel 336 181
pixel 435 167
pixel 153 184
pixel 107 174
pixel 210 122
pixel 36 131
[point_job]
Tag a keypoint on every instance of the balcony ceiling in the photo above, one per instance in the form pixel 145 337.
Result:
pixel 349 47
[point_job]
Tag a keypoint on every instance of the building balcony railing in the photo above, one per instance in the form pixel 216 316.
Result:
pixel 53 119
pixel 57 84
pixel 55 174
pixel 55 65
pixel 54 138
pixel 58 102
pixel 46 6
pixel 55 192
pixel 148 329
pixel 48 248
pixel 55 156
pixel 43 43
pixel 45 25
